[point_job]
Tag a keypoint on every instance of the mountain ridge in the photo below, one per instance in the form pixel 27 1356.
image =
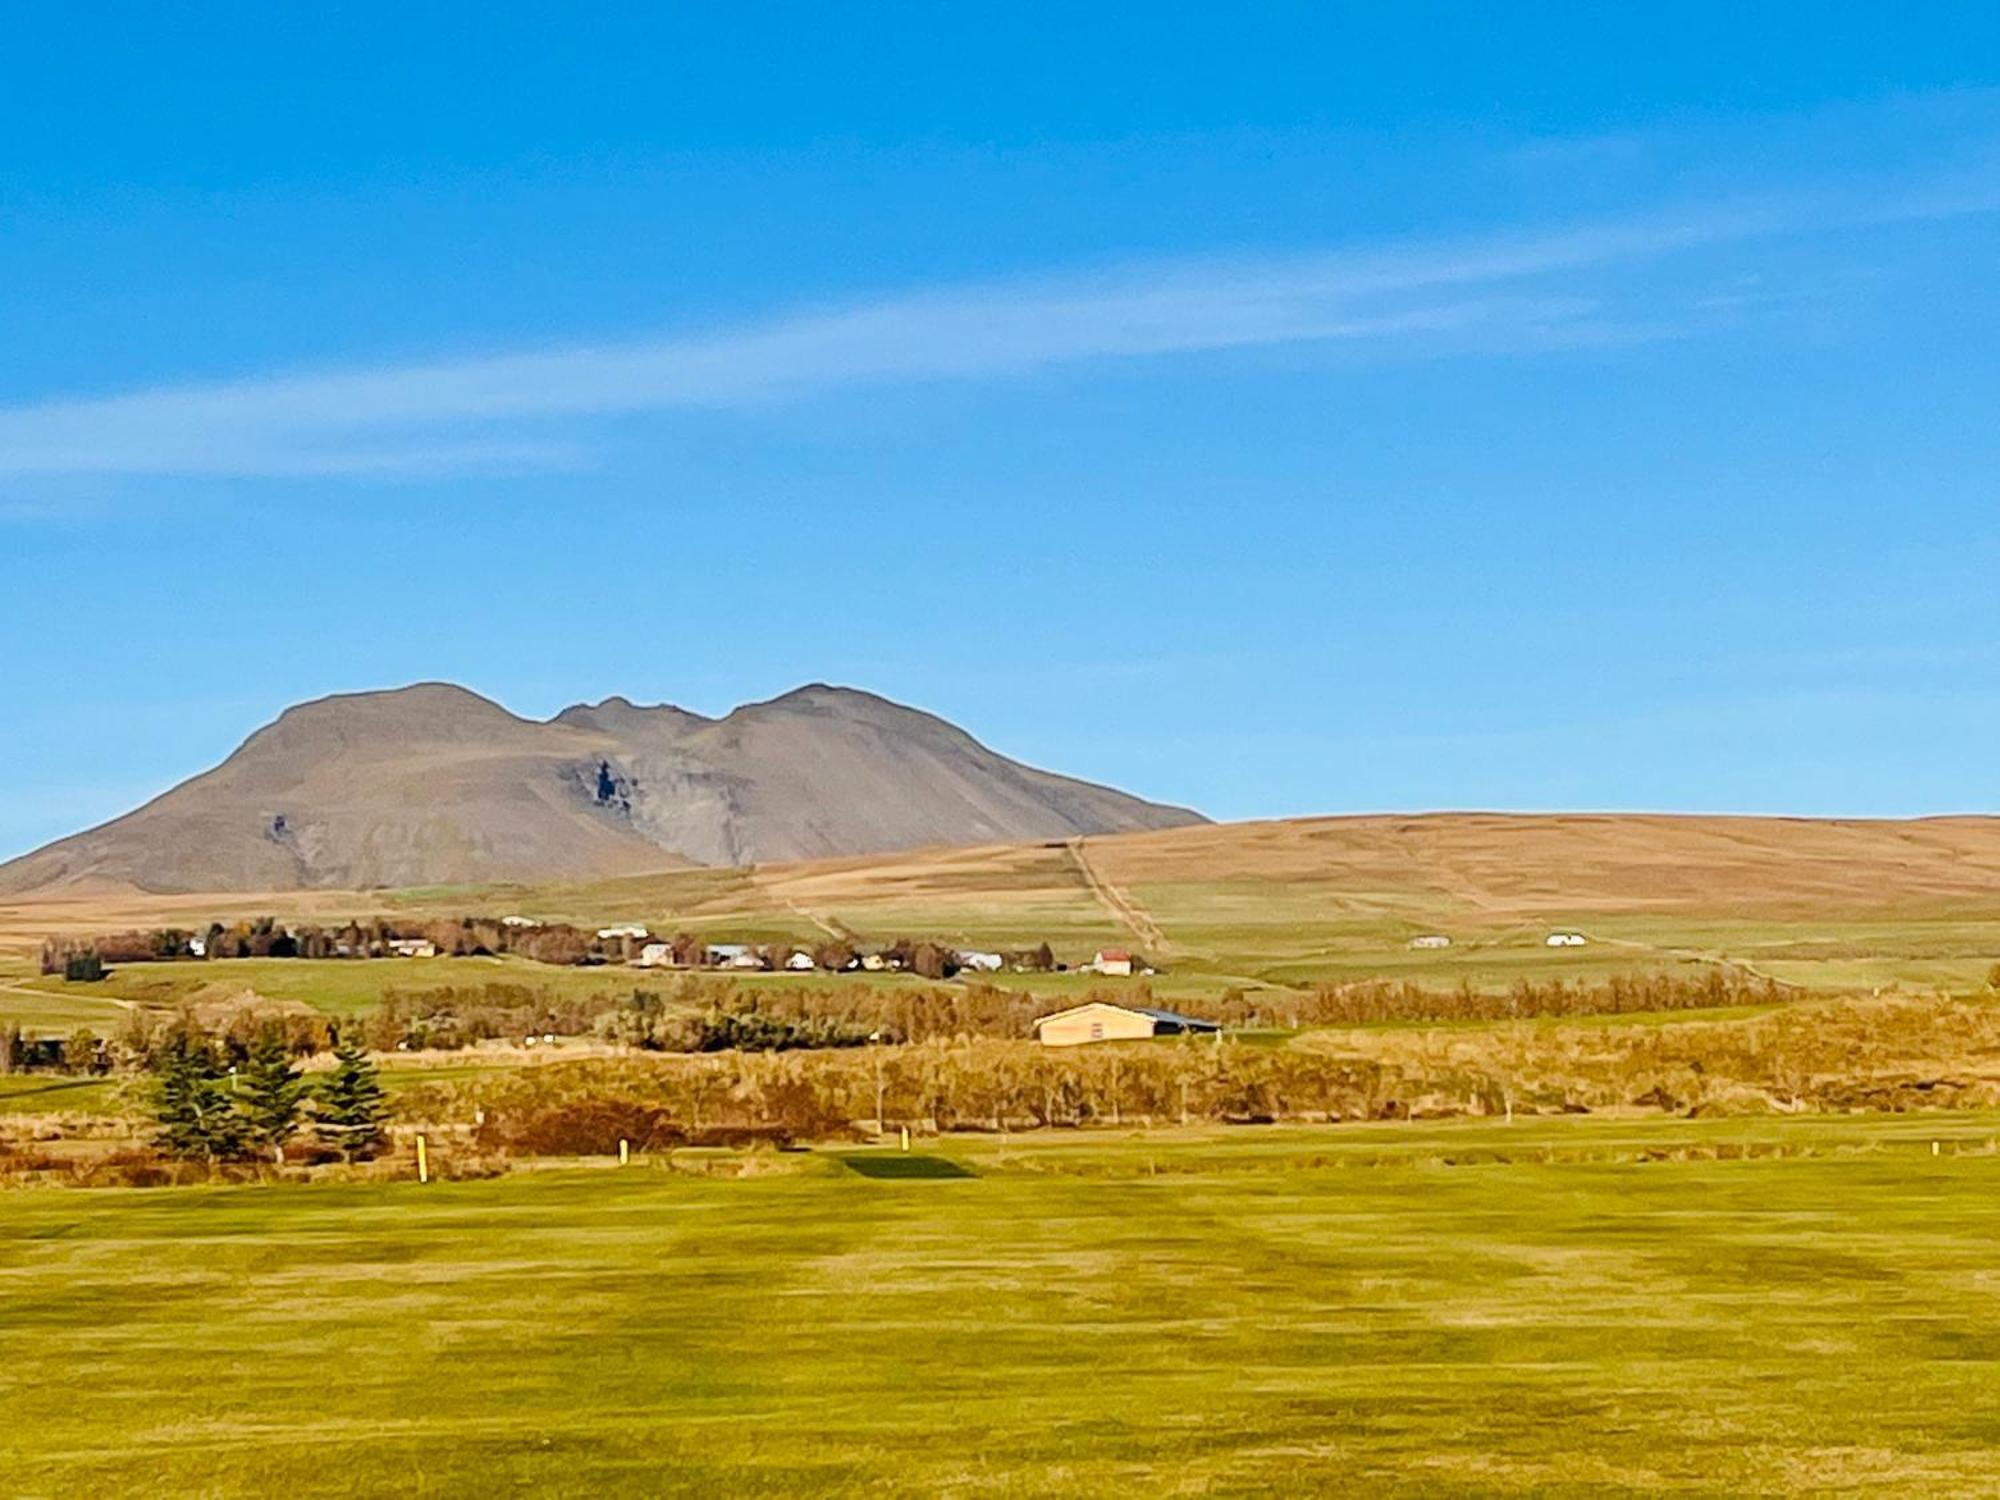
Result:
pixel 434 784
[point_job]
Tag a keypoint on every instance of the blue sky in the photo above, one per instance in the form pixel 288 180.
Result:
pixel 1315 409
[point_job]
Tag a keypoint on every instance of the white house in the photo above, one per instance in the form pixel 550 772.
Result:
pixel 198 947
pixel 734 956
pixel 798 963
pixel 981 963
pixel 1100 1021
pixel 656 956
pixel 874 963
pixel 624 930
pixel 1431 940
pixel 413 947
pixel 519 922
pixel 1565 940
pixel 1114 961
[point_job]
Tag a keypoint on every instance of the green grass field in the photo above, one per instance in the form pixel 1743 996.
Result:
pixel 338 987
pixel 1464 1308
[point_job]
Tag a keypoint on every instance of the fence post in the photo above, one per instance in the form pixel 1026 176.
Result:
pixel 423 1161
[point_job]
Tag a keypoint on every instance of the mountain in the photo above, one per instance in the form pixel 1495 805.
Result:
pixel 435 785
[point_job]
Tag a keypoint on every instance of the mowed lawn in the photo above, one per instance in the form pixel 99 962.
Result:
pixel 1456 1308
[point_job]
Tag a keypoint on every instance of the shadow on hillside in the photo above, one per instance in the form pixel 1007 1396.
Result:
pixel 902 1165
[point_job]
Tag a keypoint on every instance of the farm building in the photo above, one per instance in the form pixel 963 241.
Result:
pixel 656 956
pixel 623 930
pixel 799 962
pixel 413 947
pixel 1114 961
pixel 734 956
pixel 1565 940
pixel 1431 940
pixel 1101 1021
pixel 981 963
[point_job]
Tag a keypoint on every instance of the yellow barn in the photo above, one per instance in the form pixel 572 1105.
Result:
pixel 1101 1021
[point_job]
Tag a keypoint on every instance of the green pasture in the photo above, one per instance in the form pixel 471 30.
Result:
pixel 55 1093
pixel 334 986
pixel 1567 1307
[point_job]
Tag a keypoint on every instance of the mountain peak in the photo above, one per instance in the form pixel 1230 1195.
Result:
pixel 432 784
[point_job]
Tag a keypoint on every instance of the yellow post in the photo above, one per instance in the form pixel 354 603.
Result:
pixel 906 1137
pixel 624 1151
pixel 423 1161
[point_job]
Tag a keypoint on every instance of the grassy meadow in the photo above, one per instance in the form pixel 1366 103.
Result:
pixel 1556 1307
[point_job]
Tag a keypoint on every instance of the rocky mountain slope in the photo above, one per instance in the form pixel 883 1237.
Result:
pixel 435 785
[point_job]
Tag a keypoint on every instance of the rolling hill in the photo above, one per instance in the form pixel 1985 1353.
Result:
pixel 1826 904
pixel 435 785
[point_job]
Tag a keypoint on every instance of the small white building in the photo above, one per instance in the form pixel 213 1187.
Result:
pixel 874 963
pixel 798 963
pixel 413 947
pixel 656 956
pixel 519 922
pixel 1431 940
pixel 623 930
pixel 981 963
pixel 1113 961
pixel 734 956
pixel 1101 1021
pixel 198 947
pixel 1565 940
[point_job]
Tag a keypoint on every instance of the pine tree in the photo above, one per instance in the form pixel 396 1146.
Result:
pixel 191 1102
pixel 271 1093
pixel 351 1107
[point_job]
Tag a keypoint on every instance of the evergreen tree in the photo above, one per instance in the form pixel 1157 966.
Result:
pixel 351 1108
pixel 191 1101
pixel 271 1093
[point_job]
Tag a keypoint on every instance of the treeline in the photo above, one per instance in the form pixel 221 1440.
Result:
pixel 1878 1055
pixel 85 958
pixel 266 937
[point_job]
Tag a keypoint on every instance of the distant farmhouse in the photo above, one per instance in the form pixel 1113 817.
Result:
pixel 1101 1021
pixel 981 963
pixel 656 956
pixel 734 956
pixel 1114 961
pixel 1565 940
pixel 413 947
pixel 623 930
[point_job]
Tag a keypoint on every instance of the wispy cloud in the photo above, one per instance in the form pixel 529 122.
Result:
pixel 1504 292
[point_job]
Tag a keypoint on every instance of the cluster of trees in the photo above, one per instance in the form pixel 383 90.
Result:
pixel 206 1107
pixel 266 937
pixel 1372 1001
pixel 687 1012
pixel 645 1021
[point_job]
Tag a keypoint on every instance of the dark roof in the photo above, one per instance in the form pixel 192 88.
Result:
pixel 1174 1018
